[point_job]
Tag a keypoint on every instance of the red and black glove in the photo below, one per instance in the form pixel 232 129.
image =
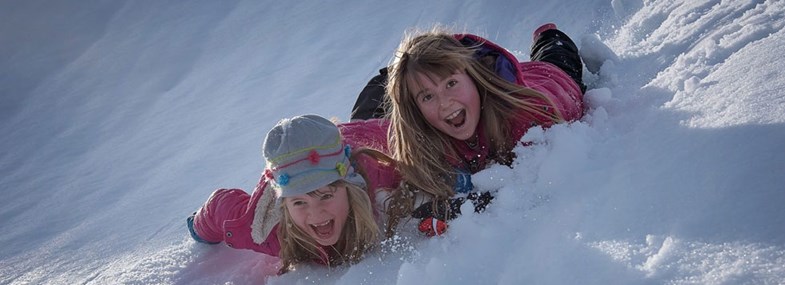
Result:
pixel 434 214
pixel 432 227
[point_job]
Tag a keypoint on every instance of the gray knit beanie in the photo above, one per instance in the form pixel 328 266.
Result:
pixel 303 154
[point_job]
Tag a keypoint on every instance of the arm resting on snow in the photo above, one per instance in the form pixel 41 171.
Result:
pixel 223 205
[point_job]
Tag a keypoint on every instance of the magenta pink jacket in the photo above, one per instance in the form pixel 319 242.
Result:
pixel 228 214
pixel 544 77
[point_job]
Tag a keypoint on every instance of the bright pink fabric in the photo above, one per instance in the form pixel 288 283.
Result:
pixel 228 213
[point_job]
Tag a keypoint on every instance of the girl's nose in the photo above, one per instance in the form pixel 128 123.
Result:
pixel 444 100
pixel 315 209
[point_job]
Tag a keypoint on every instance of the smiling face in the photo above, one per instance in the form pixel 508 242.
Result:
pixel 321 213
pixel 450 104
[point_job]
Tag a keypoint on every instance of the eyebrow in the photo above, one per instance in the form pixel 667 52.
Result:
pixel 316 193
pixel 433 78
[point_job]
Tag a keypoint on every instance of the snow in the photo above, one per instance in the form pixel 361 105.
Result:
pixel 119 118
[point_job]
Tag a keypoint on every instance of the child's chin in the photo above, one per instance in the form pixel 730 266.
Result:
pixel 461 136
pixel 324 241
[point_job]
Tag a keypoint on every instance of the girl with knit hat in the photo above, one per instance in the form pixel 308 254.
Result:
pixel 458 103
pixel 315 201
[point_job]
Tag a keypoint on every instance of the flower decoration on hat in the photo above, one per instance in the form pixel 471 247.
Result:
pixel 313 157
pixel 341 167
pixel 283 179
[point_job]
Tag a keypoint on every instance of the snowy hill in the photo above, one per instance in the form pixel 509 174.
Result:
pixel 119 118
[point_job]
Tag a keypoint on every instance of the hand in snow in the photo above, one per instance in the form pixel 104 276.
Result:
pixel 435 213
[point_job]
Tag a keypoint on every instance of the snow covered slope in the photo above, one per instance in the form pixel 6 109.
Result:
pixel 120 118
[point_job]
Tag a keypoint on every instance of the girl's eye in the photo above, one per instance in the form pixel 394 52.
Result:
pixel 298 203
pixel 327 196
pixel 452 83
pixel 426 97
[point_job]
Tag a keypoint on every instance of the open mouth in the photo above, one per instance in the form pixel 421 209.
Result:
pixel 323 230
pixel 457 118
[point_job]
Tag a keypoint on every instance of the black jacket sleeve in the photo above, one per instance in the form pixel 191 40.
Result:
pixel 370 102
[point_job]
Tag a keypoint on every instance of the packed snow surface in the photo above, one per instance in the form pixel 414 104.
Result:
pixel 119 118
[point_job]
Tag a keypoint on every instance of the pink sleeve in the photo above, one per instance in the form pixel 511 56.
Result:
pixel 223 205
pixel 370 133
pixel 556 85
pixel 380 175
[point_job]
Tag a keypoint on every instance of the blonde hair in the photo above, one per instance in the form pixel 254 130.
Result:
pixel 359 234
pixel 420 150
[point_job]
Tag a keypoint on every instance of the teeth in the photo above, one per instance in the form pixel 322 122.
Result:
pixel 453 115
pixel 322 224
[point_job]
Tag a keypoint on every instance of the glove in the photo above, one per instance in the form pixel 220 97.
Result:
pixel 433 218
pixel 432 227
pixel 452 209
pixel 444 210
pixel 480 201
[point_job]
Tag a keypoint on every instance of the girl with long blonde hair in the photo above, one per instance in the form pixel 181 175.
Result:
pixel 458 102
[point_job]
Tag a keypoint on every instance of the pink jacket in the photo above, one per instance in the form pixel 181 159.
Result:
pixel 544 77
pixel 230 215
